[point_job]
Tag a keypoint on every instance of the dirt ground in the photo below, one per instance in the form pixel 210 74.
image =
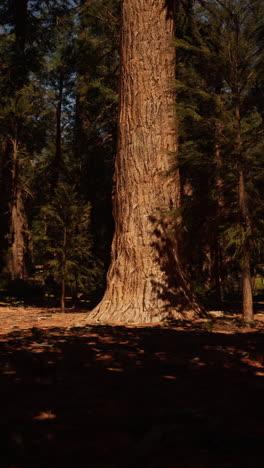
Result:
pixel 80 394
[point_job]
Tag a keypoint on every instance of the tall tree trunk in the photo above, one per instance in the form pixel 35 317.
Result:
pixel 248 312
pixel 17 242
pixel 63 294
pixel 17 223
pixel 5 190
pixel 146 281
pixel 217 269
pixel 63 278
pixel 57 162
pixel 217 247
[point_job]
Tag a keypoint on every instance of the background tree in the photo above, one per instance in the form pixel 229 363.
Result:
pixel 62 233
pixel 97 67
pixel 215 102
pixel 59 73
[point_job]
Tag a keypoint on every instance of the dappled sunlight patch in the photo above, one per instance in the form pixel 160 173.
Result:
pixel 107 340
pixel 199 363
pixel 45 415
pixel 9 372
pixel 115 369
pixel 104 357
pixel 252 363
pixel 91 391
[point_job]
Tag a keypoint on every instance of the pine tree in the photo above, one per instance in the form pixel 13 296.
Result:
pixel 62 234
pixel 146 281
pixel 24 45
pixel 226 57
pixel 97 65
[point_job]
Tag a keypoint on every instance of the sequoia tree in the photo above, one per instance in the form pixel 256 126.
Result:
pixel 146 280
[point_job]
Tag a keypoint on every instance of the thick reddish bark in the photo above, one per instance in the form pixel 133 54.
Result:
pixel 18 224
pixel 146 281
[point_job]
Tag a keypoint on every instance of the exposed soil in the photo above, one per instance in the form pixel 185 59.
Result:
pixel 77 394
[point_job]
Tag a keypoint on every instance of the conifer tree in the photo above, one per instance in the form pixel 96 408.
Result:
pixel 97 65
pixel 226 56
pixel 146 280
pixel 62 233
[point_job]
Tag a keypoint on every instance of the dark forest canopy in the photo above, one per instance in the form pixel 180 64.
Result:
pixel 59 86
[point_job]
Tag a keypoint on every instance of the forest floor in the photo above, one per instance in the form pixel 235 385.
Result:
pixel 80 394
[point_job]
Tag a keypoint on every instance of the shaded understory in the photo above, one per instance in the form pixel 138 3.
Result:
pixel 102 396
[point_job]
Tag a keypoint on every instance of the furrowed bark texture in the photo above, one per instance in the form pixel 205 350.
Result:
pixel 146 282
pixel 17 238
pixel 18 224
pixel 17 264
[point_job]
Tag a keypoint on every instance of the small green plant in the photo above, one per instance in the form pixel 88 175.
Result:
pixel 63 232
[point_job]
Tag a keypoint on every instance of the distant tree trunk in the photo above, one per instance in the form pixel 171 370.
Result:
pixel 217 269
pixel 248 312
pixel 17 242
pixel 5 190
pixel 146 280
pixel 57 162
pixel 217 247
pixel 63 295
pixel 64 259
pixel 17 223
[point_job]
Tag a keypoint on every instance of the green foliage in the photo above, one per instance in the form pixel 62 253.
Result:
pixel 62 234
pixel 69 65
pixel 216 38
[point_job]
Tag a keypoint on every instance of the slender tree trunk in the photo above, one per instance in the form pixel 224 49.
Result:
pixel 17 223
pixel 217 269
pixel 57 163
pixel 63 295
pixel 64 259
pixel 5 190
pixel 217 247
pixel 248 312
pixel 146 281
pixel 17 243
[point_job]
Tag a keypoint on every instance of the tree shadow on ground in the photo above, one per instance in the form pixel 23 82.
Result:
pixel 102 396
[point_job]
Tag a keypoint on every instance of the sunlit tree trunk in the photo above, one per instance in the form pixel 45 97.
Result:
pixel 64 260
pixel 18 225
pixel 16 256
pixel 248 312
pixel 146 281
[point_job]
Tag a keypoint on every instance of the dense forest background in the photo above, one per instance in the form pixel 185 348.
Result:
pixel 59 75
